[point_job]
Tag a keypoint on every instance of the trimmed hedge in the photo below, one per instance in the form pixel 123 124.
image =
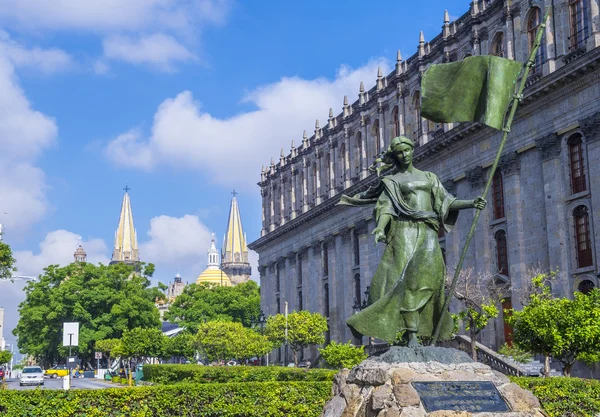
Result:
pixel 267 399
pixel 561 396
pixel 173 374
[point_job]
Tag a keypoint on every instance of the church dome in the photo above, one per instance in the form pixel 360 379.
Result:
pixel 213 276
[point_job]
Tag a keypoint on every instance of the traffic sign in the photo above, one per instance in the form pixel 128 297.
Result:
pixel 98 355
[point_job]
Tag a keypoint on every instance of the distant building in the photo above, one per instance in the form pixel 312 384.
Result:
pixel 80 255
pixel 175 289
pixel 235 251
pixel 126 244
pixel 213 274
pixel 544 205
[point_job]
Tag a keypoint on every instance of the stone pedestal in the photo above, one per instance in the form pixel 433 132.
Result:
pixel 382 386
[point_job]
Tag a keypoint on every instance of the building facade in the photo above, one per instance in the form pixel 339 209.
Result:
pixel 544 203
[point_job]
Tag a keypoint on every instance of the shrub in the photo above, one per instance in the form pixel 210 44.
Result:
pixel 564 397
pixel 273 399
pixel 339 355
pixel 172 374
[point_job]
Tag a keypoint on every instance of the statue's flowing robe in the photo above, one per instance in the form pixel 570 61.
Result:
pixel 407 290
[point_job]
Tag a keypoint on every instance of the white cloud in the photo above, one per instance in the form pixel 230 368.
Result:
pixel 177 241
pixel 58 248
pixel 24 134
pixel 45 60
pixel 184 135
pixel 159 50
pixel 111 15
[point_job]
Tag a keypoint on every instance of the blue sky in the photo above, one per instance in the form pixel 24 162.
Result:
pixel 182 100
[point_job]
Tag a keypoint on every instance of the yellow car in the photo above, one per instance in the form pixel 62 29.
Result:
pixel 56 371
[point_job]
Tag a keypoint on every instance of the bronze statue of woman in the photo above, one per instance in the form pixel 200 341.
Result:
pixel 407 290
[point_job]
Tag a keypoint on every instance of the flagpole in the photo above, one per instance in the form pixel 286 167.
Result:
pixel 511 115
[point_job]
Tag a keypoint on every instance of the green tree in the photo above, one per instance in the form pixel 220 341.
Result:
pixel 479 296
pixel 105 300
pixel 181 346
pixel 7 262
pixel 567 330
pixel 222 340
pixel 340 355
pixel 202 302
pixel 141 343
pixel 5 356
pixel 303 329
pixel 111 347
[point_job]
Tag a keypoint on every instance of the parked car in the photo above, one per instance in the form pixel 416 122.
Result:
pixel 31 375
pixel 2 373
pixel 57 370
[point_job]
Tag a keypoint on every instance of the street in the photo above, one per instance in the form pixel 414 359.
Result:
pixel 76 383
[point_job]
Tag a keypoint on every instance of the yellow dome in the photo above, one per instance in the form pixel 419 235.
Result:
pixel 213 276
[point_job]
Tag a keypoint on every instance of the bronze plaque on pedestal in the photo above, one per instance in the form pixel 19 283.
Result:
pixel 474 396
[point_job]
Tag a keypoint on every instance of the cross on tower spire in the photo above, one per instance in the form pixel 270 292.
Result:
pixel 234 193
pixel 126 188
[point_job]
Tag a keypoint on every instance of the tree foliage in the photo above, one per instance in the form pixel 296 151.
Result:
pixel 181 346
pixel 202 302
pixel 5 356
pixel 223 340
pixel 141 343
pixel 568 330
pixel 340 355
pixel 105 300
pixel 304 329
pixel 478 295
pixel 7 262
pixel 109 346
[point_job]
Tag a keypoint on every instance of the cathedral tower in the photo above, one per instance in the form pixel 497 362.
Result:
pixel 126 245
pixel 235 252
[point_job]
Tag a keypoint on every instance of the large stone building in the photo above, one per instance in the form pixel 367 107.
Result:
pixel 317 256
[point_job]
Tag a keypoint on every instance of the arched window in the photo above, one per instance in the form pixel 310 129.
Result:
pixel 501 252
pixel 417 115
pixel 533 23
pixel 326 300
pixel 396 122
pixel 578 14
pixel 300 301
pixel 325 260
pixel 497 48
pixel 356 249
pixel 344 162
pixel 583 237
pixel 498 196
pixel 576 164
pixel 377 135
pixel 299 270
pixel 586 286
pixel 357 300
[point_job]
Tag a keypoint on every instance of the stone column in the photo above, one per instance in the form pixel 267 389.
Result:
pixel 305 186
pixel 265 226
pixel 271 206
pixel 556 224
pixel 282 191
pixel 508 33
pixel 363 156
pixel 401 114
pixel 346 167
pixel 332 164
pixel 293 203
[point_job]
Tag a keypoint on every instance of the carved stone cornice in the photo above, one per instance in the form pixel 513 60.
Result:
pixel 450 186
pixel 549 145
pixel 510 163
pixel 345 235
pixel 590 127
pixel 476 177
